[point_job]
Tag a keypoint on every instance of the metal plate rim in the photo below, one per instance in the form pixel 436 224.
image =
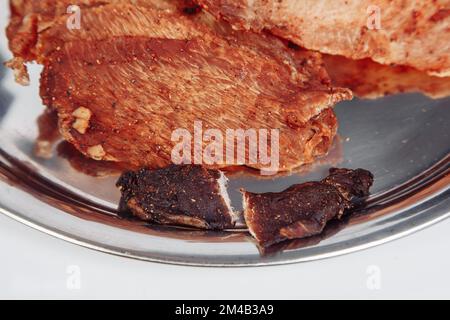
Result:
pixel 399 231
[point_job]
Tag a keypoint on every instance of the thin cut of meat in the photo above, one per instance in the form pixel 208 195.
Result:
pixel 186 195
pixel 412 33
pixel 133 75
pixel 303 210
pixel 370 80
pixel 31 18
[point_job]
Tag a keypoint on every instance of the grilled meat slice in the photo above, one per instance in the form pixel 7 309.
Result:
pixel 121 92
pixel 412 33
pixel 370 80
pixel 303 210
pixel 186 195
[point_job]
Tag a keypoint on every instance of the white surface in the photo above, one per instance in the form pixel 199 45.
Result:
pixel 34 265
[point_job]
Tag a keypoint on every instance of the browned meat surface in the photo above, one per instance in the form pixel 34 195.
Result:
pixel 412 33
pixel 178 195
pixel 29 18
pixel 303 210
pixel 133 74
pixel 370 80
pixel 351 184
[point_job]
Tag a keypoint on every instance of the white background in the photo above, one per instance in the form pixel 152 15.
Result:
pixel 34 265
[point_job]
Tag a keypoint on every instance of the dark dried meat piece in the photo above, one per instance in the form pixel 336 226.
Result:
pixel 185 195
pixel 303 210
pixel 350 183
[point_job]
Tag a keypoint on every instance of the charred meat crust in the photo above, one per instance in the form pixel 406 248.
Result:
pixel 350 183
pixel 191 195
pixel 298 212
pixel 186 195
pixel 303 210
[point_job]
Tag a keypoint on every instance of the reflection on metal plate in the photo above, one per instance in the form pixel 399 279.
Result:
pixel 404 140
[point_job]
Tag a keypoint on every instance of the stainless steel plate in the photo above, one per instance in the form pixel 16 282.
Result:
pixel 404 140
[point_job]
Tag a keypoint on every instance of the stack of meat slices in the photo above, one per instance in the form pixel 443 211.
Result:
pixel 136 71
pixel 373 47
pixel 410 33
